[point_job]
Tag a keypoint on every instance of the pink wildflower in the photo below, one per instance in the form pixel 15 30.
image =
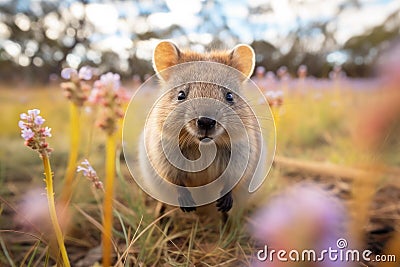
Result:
pixel 108 92
pixel 303 217
pixel 77 88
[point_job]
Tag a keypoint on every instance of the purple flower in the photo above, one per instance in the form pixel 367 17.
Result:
pixel 86 168
pixel 85 73
pixel 111 79
pixel 21 124
pixel 39 120
pixel 33 133
pixel 90 173
pixel 46 132
pixel 27 134
pixel 33 112
pixel 67 73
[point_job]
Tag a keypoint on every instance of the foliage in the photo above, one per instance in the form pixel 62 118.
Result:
pixel 42 35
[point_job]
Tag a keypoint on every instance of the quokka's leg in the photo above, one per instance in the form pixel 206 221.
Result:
pixel 185 199
pixel 224 204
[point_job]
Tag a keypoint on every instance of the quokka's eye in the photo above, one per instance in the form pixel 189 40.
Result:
pixel 181 95
pixel 229 97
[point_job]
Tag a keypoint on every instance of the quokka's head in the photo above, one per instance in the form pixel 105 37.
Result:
pixel 201 93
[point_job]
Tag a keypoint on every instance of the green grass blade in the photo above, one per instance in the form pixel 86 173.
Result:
pixel 33 254
pixel 5 251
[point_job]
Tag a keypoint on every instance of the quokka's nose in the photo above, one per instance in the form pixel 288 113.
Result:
pixel 205 123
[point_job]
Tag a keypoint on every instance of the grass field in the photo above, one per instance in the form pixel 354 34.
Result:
pixel 314 129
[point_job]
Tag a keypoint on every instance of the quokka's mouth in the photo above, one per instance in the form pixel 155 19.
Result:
pixel 205 139
pixel 206 135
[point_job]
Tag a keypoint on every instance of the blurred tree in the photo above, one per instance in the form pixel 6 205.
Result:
pixel 40 37
pixel 365 49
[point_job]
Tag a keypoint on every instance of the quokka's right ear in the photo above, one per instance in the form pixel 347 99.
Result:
pixel 243 59
pixel 166 54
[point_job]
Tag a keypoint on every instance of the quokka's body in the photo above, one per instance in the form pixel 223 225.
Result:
pixel 201 104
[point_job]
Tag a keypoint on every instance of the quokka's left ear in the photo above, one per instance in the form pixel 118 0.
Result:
pixel 243 59
pixel 165 55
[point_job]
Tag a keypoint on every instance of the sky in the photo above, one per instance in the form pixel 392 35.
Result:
pixel 273 27
pixel 286 14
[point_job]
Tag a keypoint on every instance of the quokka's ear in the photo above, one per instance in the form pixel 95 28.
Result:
pixel 243 59
pixel 166 54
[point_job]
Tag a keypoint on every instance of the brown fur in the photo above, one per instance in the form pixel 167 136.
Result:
pixel 166 55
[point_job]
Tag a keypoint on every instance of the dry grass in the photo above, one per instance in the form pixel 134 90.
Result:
pixel 314 127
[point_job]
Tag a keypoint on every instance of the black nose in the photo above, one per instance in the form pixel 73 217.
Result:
pixel 205 123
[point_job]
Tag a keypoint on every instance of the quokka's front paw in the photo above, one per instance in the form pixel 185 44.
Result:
pixel 186 205
pixel 224 204
pixel 188 209
pixel 186 201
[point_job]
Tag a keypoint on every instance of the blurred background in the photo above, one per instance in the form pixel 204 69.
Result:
pixel 39 38
pixel 330 74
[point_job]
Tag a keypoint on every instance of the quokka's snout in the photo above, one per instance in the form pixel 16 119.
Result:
pixel 205 123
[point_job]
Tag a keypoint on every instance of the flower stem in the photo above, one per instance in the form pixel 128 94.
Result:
pixel 275 114
pixel 108 199
pixel 52 209
pixel 73 154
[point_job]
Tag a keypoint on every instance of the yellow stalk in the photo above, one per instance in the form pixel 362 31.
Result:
pixel 52 209
pixel 108 199
pixel 275 114
pixel 73 154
